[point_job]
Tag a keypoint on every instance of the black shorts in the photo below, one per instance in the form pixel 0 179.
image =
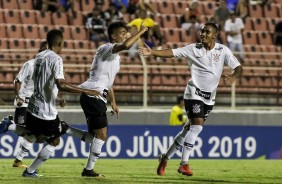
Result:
pixel 20 116
pixel 95 112
pixel 197 109
pixel 51 129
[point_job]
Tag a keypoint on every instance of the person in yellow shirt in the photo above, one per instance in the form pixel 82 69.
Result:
pixel 177 117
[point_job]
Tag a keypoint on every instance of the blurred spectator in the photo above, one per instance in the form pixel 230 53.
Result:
pixel 177 116
pixel 278 34
pixel 54 5
pixel 153 36
pixel 96 27
pixel 242 9
pixel 191 25
pixel 131 6
pixel 113 14
pixel 221 14
pixel 231 4
pixel 233 28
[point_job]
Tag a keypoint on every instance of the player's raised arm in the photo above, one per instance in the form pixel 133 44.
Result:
pixel 147 51
pixel 229 79
pixel 128 42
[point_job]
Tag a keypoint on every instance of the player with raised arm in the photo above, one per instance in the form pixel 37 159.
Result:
pixel 105 66
pixel 206 60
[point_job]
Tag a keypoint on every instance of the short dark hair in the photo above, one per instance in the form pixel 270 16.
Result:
pixel 43 46
pixel 54 38
pixel 113 27
pixel 213 25
pixel 179 99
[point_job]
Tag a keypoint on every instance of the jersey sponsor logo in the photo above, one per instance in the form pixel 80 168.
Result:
pixel 20 120
pixel 105 93
pixel 219 48
pixel 33 108
pixel 196 109
pixel 205 95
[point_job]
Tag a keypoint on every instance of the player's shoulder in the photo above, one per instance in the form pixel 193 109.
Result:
pixel 220 47
pixel 105 47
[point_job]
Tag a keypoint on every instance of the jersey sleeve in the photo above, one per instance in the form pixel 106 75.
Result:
pixel 24 72
pixel 59 69
pixel 182 52
pixel 230 60
pixel 105 51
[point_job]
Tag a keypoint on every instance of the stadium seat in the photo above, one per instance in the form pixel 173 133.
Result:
pixel 253 51
pixel 249 24
pixel 16 43
pixel 78 33
pixel 10 4
pixel 121 79
pixel 155 5
pixel 12 16
pixel 14 31
pixel 169 21
pixel 167 7
pixel 255 11
pixel 271 22
pixel 87 5
pixel 180 6
pixel 3 43
pixel 260 24
pixel 264 38
pixel 30 31
pixel 188 36
pixel 27 17
pixel 273 51
pixel 250 37
pixel 76 18
pixel 172 35
pixel 25 4
pixel 1 16
pixel 43 18
pixel 66 31
pixel 271 10
pixel 3 32
pixel 68 44
pixel 76 6
pixel 208 8
pixel 32 44
pixel 223 37
pixel 43 29
pixel 59 18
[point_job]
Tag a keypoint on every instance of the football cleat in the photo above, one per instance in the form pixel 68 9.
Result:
pixel 33 175
pixel 90 173
pixel 5 123
pixel 18 163
pixel 185 170
pixel 162 165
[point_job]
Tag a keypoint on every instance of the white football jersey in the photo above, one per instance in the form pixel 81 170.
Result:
pixel 206 67
pixel 48 66
pixel 104 68
pixel 25 77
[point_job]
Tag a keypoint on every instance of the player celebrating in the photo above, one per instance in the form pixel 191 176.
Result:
pixel 105 66
pixel 206 61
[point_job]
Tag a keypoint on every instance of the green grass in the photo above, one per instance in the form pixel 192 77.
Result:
pixel 126 171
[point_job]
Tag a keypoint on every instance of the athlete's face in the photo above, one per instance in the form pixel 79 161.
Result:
pixel 207 34
pixel 61 46
pixel 120 35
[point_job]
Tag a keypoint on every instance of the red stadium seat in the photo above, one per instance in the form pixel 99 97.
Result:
pixel 255 11
pixel 209 8
pixel 32 43
pixel 43 18
pixel 188 36
pixel 271 10
pixel 14 31
pixel 43 29
pixel 260 24
pixel 3 43
pixel 3 32
pixel 27 17
pixel 271 22
pixel 250 37
pixel 59 18
pixel 1 16
pixel 172 35
pixel 76 19
pixel 30 31
pixel 25 4
pixel 169 21
pixel 249 24
pixel 12 17
pixel 66 31
pixel 166 7
pixel 78 33
pixel 87 5
pixel 16 44
pixel 180 6
pixel 264 38
pixel 10 4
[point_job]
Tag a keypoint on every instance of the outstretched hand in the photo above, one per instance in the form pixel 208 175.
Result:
pixel 142 27
pixel 115 110
pixel 229 79
pixel 145 51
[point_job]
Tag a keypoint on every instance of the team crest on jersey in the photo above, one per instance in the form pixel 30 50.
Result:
pixel 216 57
pixel 196 109
pixel 20 120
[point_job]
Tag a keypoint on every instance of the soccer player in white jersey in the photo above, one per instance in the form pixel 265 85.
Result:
pixel 42 118
pixel 206 60
pixel 105 66
pixel 23 86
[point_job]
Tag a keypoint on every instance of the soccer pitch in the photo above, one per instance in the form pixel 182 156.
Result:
pixel 125 171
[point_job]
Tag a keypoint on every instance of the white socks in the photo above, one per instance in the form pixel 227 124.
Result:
pixel 177 144
pixel 81 134
pixel 189 142
pixel 95 150
pixel 25 147
pixel 42 156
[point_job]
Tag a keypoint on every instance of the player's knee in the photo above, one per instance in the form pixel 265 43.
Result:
pixel 30 138
pixel 54 142
pixel 101 135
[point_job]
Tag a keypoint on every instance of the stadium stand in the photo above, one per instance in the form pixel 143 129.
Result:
pixel 22 27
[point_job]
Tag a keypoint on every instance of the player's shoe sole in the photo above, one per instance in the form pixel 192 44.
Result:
pixel 185 170
pixel 91 173
pixel 31 175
